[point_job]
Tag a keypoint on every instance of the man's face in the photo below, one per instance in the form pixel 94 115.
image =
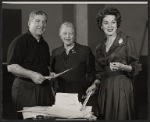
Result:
pixel 37 24
pixel 67 35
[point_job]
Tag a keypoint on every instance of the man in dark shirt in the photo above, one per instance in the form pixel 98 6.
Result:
pixel 28 59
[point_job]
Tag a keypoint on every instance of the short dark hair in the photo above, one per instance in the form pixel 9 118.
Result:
pixel 108 11
pixel 37 12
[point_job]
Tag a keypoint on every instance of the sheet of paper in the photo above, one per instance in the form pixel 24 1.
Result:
pixel 65 113
pixel 56 75
pixel 32 112
pixel 34 109
pixel 66 99
pixel 54 111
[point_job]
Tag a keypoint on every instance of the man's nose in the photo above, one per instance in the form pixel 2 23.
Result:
pixel 41 23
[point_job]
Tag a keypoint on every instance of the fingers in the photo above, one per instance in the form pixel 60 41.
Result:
pixel 37 78
pixel 84 96
pixel 40 80
pixel 114 66
pixel 52 74
pixel 48 77
pixel 91 89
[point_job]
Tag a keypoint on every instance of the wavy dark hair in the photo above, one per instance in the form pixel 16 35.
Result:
pixel 108 11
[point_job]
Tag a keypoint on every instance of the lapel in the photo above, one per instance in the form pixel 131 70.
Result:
pixel 74 50
pixel 114 45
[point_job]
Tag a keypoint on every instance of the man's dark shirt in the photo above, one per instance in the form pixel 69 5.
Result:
pixel 30 54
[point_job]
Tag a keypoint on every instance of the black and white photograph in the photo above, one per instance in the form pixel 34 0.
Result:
pixel 74 60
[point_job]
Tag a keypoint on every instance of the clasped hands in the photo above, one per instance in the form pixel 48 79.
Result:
pixel 114 66
pixel 39 78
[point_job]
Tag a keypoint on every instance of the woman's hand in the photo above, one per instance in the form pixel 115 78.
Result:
pixel 114 66
pixel 92 89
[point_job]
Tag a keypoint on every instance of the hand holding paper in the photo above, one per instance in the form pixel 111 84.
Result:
pixel 56 75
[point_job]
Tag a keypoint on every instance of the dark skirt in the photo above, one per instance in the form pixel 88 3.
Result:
pixel 115 99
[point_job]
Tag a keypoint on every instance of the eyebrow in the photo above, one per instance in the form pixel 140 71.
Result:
pixel 107 20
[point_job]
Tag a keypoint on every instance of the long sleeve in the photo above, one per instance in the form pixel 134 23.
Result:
pixel 133 58
pixel 52 61
pixel 98 65
pixel 90 62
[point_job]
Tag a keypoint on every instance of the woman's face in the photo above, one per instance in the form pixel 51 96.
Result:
pixel 67 35
pixel 109 25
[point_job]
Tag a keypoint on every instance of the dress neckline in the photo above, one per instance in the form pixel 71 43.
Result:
pixel 107 50
pixel 113 44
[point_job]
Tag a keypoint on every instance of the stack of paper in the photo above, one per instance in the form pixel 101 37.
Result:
pixel 66 106
pixel 32 112
pixel 56 111
pixel 67 101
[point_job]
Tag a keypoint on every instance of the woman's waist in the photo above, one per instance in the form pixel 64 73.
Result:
pixel 113 74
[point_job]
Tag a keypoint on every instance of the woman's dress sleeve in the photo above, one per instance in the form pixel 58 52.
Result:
pixel 132 58
pixel 98 65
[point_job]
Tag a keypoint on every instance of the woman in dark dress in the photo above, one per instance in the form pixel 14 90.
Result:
pixel 76 56
pixel 116 66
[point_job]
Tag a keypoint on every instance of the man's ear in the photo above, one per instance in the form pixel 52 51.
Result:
pixel 59 34
pixel 29 22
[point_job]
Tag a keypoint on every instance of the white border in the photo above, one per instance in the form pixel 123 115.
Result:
pixel 73 2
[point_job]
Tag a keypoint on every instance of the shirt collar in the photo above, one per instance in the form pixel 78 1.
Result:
pixel 73 50
pixel 33 39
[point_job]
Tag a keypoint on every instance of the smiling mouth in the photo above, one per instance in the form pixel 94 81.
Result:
pixel 68 40
pixel 109 30
pixel 39 28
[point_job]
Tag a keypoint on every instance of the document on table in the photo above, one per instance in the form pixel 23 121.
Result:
pixel 55 111
pixel 67 99
pixel 66 106
pixel 68 113
pixel 32 112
